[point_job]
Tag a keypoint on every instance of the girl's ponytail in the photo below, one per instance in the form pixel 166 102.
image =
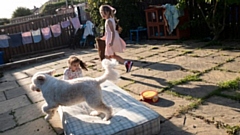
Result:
pixel 83 65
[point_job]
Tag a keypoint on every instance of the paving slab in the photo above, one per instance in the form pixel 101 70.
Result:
pixel 19 75
pixel 29 112
pixel 56 123
pixel 220 109
pixel 232 93
pixel 202 52
pixel 216 58
pixel 234 53
pixel 163 78
pixel 24 81
pixel 7 121
pixel 137 87
pixel 195 89
pixel 7 77
pixel 2 96
pixel 192 126
pixel 139 74
pixel 164 66
pixel 15 92
pixel 170 54
pixel 135 50
pixel 14 103
pixel 191 63
pixel 158 49
pixel 216 76
pixel 8 85
pixel 35 96
pixel 153 59
pixel 30 72
pixel 232 66
pixel 166 106
pixel 145 54
pixel 37 127
pixel 122 83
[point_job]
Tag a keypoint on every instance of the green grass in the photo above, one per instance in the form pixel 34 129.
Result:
pixel 57 75
pixel 233 130
pixel 224 86
pixel 233 84
pixel 194 105
pixel 185 80
pixel 188 97
pixel 194 55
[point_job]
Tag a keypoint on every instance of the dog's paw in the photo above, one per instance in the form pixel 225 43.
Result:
pixel 48 117
pixel 106 119
pixel 94 113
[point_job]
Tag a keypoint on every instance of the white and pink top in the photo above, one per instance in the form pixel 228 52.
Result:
pixel 69 74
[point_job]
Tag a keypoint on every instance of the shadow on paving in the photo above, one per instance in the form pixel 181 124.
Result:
pixel 156 65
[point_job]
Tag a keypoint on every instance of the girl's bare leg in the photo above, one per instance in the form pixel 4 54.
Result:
pixel 118 58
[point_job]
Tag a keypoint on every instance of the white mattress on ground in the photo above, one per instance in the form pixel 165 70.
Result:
pixel 130 117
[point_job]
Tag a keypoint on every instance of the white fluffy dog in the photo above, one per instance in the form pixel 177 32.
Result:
pixel 69 92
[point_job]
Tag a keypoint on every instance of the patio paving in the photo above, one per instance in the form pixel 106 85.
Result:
pixel 187 76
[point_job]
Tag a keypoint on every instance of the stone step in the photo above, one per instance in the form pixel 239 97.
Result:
pixel 17 64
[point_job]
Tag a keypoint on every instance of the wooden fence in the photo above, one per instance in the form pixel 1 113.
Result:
pixel 25 18
pixel 43 45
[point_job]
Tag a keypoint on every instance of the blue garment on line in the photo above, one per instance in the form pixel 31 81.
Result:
pixel 4 41
pixel 172 14
pixel 15 40
pixel 37 37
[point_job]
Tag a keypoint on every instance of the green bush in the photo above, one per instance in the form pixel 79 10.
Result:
pixel 50 8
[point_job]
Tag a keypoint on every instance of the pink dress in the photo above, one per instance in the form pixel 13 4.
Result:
pixel 118 44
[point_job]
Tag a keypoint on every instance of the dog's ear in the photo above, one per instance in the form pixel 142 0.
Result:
pixel 41 78
pixel 51 72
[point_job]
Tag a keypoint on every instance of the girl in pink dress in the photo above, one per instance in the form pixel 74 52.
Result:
pixel 74 70
pixel 114 42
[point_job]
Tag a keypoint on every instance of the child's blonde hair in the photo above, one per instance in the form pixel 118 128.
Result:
pixel 108 9
pixel 112 11
pixel 73 59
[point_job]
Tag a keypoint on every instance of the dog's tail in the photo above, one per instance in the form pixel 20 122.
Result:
pixel 110 73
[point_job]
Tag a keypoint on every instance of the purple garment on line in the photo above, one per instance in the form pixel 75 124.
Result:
pixel 46 33
pixel 27 38
pixel 56 30
pixel 65 24
pixel 75 22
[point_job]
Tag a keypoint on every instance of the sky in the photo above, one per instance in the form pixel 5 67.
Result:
pixel 8 6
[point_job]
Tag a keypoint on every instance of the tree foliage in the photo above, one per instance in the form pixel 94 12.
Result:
pixel 4 21
pixel 128 13
pixel 49 8
pixel 21 11
pixel 214 13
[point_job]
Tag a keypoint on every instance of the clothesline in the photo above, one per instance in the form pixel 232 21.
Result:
pixel 35 36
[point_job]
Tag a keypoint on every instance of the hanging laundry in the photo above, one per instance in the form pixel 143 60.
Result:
pixel 46 33
pixel 65 24
pixel 15 40
pixel 56 30
pixel 27 38
pixel 88 30
pixel 37 37
pixel 75 22
pixel 4 41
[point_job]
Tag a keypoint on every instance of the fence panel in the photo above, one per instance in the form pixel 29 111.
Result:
pixel 44 45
